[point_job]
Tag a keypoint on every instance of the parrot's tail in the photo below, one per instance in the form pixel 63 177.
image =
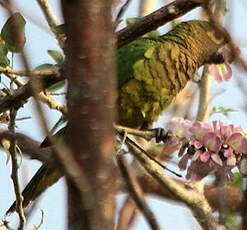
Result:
pixel 46 176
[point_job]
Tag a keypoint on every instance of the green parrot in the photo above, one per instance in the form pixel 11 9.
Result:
pixel 151 72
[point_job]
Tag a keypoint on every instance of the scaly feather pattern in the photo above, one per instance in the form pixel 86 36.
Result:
pixel 153 71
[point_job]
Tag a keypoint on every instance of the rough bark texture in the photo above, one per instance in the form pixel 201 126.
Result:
pixel 90 108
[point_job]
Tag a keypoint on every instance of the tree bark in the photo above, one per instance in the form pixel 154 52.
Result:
pixel 90 74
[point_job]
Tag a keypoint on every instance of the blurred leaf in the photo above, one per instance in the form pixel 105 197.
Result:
pixel 130 21
pixel 60 32
pixel 43 66
pixel 236 181
pixel 13 33
pixel 56 56
pixel 222 110
pixel 116 23
pixel 60 29
pixel 174 23
pixel 4 61
pixel 233 221
pixel 55 86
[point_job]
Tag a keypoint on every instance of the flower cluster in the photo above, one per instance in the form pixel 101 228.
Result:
pixel 207 148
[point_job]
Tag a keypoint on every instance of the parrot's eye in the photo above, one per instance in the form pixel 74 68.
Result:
pixel 216 36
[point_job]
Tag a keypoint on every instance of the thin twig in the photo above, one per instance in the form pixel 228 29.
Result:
pixel 136 193
pixel 129 141
pixel 5 224
pixel 122 10
pixel 28 146
pixel 41 221
pixel 51 103
pixel 48 100
pixel 48 12
pixel 54 70
pixel 14 174
pixel 127 215
pixel 18 96
pixel 51 19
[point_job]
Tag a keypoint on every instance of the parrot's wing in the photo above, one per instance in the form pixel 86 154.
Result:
pixel 128 55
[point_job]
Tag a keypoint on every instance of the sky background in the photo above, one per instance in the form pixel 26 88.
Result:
pixel 170 215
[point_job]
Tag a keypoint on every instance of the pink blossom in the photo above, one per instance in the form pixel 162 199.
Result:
pixel 196 143
pixel 180 127
pixel 221 72
pixel 208 148
pixel 204 157
pixel 228 152
pixel 212 142
pixel 199 129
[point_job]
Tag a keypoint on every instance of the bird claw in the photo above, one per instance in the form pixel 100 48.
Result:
pixel 160 134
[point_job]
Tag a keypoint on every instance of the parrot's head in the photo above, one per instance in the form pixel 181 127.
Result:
pixel 213 38
pixel 218 38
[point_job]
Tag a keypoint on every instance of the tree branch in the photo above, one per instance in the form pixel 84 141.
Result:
pixel 156 19
pixel 136 193
pixel 233 195
pixel 17 97
pixel 205 95
pixel 28 146
pixel 14 174
pixel 51 19
pixel 127 214
pixel 195 200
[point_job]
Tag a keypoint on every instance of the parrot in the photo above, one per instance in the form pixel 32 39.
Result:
pixel 151 71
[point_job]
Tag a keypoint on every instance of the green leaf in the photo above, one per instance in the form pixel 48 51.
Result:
pixel 4 61
pixel 233 221
pixel 116 23
pixel 56 86
pixel 60 30
pixel 56 56
pixel 236 181
pixel 13 33
pixel 44 66
pixel 222 110
pixel 130 21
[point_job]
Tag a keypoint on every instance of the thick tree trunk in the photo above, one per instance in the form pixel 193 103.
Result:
pixel 90 74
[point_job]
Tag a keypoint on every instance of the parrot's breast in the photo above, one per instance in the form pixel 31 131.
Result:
pixel 157 79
